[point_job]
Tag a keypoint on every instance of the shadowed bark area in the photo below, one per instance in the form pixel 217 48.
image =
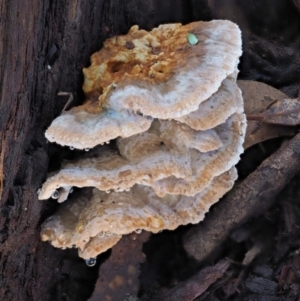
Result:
pixel 35 34
pixel 44 45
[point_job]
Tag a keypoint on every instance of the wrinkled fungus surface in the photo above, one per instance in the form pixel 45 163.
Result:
pixel 170 98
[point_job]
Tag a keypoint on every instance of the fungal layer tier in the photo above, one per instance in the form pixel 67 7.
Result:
pixel 169 101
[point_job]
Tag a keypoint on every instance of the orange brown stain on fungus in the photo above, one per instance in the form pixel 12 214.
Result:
pixel 137 56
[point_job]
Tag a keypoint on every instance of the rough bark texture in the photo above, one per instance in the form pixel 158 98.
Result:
pixel 63 34
pixel 31 270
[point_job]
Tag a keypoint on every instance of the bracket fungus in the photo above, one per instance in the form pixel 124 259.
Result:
pixel 170 99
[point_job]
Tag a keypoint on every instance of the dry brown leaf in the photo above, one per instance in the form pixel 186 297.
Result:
pixel 284 111
pixel 258 132
pixel 119 274
pixel 257 98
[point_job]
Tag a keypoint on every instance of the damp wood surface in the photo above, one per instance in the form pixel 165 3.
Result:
pixel 44 46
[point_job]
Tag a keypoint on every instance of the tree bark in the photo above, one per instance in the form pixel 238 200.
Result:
pixel 30 32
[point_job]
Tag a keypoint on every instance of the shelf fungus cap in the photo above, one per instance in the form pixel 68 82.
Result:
pixel 179 134
pixel 216 109
pixel 87 126
pixel 106 217
pixel 59 228
pixel 208 165
pixel 159 73
pixel 146 161
pixel 97 245
pixel 145 75
pixel 161 152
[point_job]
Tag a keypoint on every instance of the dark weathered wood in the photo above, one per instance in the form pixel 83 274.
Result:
pixel 31 270
pixel 196 285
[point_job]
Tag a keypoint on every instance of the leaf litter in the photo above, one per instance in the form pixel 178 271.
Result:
pixel 258 99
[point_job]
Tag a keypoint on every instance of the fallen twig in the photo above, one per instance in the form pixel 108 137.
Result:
pixel 70 99
pixel 196 285
pixel 252 197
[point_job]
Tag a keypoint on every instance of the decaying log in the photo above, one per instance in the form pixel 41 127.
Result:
pixel 252 197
